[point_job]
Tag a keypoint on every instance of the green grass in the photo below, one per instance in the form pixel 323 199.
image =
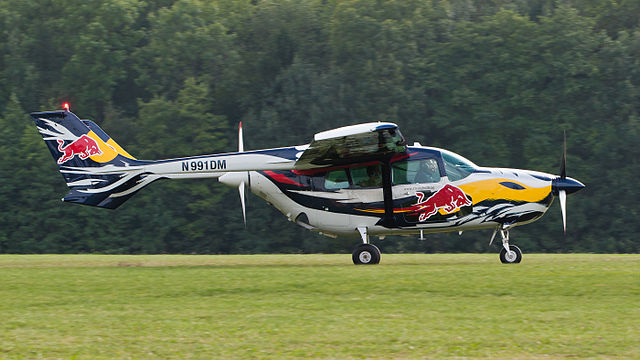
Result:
pixel 318 306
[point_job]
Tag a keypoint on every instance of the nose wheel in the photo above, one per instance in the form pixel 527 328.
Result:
pixel 509 254
pixel 513 256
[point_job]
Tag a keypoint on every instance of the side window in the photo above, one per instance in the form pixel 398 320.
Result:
pixel 366 176
pixel 336 179
pixel 428 171
pixel 416 171
pixel 401 174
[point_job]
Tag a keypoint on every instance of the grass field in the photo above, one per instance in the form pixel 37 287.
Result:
pixel 318 306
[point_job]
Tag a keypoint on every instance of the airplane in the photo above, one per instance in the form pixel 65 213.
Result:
pixel 355 181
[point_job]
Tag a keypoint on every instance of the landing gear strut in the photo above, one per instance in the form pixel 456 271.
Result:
pixel 509 254
pixel 365 254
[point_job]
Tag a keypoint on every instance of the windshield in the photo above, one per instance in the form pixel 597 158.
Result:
pixel 456 166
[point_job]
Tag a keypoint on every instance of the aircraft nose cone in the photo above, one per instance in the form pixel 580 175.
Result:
pixel 569 185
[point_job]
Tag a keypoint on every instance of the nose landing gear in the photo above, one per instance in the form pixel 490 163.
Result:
pixel 509 254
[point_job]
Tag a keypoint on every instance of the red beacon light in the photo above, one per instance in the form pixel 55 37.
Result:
pixel 65 106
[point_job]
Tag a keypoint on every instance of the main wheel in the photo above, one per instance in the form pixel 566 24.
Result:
pixel 366 254
pixel 512 257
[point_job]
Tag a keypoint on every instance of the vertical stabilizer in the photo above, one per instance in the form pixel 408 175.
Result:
pixel 98 171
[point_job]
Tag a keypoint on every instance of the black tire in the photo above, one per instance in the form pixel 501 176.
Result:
pixel 511 260
pixel 366 254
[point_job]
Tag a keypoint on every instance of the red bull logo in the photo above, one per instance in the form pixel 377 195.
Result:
pixel 449 198
pixel 84 147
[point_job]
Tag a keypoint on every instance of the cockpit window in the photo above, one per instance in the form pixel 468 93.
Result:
pixel 366 176
pixel 361 177
pixel 415 171
pixel 336 179
pixel 456 166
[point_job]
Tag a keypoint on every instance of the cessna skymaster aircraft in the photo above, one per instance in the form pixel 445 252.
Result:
pixel 358 180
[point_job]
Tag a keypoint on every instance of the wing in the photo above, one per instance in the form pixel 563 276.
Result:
pixel 350 144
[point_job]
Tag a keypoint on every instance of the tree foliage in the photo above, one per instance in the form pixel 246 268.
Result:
pixel 496 81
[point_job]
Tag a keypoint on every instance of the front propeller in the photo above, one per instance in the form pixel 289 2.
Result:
pixel 562 185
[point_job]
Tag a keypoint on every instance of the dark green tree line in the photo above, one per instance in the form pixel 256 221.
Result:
pixel 496 81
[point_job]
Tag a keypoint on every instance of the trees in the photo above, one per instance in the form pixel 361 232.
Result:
pixel 496 82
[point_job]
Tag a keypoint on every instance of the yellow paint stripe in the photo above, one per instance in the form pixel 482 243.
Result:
pixel 108 153
pixel 110 149
pixel 374 211
pixel 398 211
pixel 119 149
pixel 492 190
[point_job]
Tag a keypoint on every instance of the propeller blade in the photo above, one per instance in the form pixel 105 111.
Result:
pixel 244 211
pixel 563 164
pixel 242 184
pixel 562 195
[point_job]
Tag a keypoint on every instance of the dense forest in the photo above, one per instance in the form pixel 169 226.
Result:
pixel 496 81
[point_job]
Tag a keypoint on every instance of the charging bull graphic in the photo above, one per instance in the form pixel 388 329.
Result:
pixel 84 147
pixel 449 198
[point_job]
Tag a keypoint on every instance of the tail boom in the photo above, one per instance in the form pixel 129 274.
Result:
pixel 216 165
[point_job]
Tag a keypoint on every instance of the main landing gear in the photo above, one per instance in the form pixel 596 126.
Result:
pixel 509 254
pixel 366 253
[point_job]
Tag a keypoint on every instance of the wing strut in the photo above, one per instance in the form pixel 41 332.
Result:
pixel 389 219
